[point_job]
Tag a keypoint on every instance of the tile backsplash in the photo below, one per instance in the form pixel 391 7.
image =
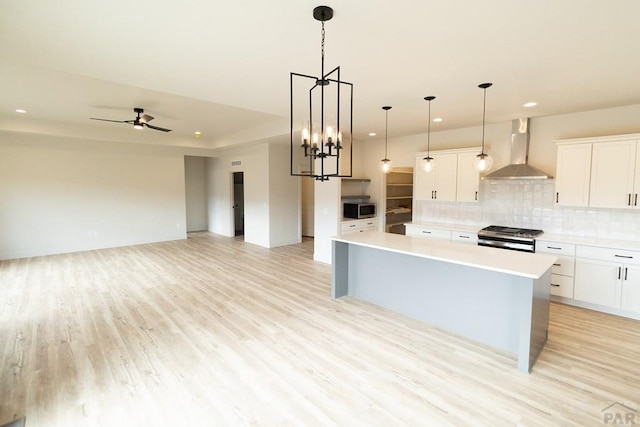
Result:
pixel 530 204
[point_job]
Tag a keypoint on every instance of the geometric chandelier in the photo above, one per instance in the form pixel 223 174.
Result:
pixel 321 119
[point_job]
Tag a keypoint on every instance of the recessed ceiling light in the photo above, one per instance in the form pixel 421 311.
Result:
pixel 372 134
pixel 21 111
pixel 530 104
pixel 438 119
pixel 197 134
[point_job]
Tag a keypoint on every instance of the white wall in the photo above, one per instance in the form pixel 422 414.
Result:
pixel 285 203
pixel 271 195
pixel 196 193
pixel 59 194
pixel 327 217
pixel 219 196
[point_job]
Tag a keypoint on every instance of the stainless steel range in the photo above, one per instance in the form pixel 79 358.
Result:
pixel 516 239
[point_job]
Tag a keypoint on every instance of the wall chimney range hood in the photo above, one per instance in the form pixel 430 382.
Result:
pixel 519 169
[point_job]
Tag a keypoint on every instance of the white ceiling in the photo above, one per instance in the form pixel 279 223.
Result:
pixel 223 68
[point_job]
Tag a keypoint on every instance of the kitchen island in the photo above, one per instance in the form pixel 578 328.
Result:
pixel 494 296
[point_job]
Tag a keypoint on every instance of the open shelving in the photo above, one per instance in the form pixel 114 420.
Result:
pixel 399 199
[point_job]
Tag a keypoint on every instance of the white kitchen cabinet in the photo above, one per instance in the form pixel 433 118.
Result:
pixel 468 181
pixel 613 170
pixel 427 232
pixel 563 270
pixel 601 172
pixel 631 289
pixel 358 226
pixel 452 179
pixel 440 183
pixel 561 286
pixel 573 171
pixel 464 237
pixel 608 277
pixel 598 282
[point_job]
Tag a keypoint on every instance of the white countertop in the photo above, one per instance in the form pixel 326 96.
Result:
pixel 591 241
pixel 564 238
pixel 494 259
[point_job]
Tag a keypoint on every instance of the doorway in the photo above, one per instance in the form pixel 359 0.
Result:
pixel 238 203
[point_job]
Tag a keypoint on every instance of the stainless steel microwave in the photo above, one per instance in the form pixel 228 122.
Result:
pixel 359 210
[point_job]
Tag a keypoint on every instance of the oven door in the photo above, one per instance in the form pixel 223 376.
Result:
pixel 506 243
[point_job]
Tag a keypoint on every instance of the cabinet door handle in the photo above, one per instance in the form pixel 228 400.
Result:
pixel 623 256
pixel 557 265
pixel 553 284
pixel 557 195
pixel 625 273
pixel 619 272
pixel 476 196
pixel 635 201
pixel 463 237
pixel 629 202
pixel 435 194
pixel 426 232
pixel 431 194
pixel 554 247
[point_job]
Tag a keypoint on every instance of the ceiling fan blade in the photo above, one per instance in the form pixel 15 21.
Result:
pixel 156 128
pixel 146 118
pixel 107 120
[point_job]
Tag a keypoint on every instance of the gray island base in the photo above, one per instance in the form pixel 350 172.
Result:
pixel 493 296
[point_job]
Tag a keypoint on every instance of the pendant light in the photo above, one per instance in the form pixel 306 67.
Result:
pixel 483 162
pixel 386 164
pixel 428 163
pixel 323 105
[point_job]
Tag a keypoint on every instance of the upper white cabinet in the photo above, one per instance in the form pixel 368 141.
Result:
pixel 613 175
pixel 468 182
pixel 601 172
pixel 453 178
pixel 572 174
pixel 440 183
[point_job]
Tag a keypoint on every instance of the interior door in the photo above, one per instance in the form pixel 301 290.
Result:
pixel 238 203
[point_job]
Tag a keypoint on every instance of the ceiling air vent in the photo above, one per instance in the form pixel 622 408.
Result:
pixel 236 162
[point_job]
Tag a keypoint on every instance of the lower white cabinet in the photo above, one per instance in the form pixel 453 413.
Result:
pixel 358 226
pixel 427 232
pixel 453 235
pixel 562 272
pixel 561 286
pixel 598 282
pixel 631 289
pixel 464 237
pixel 608 277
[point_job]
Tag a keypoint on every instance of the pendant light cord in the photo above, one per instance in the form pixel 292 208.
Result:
pixel 429 132
pixel 386 131
pixel 322 50
pixel 484 112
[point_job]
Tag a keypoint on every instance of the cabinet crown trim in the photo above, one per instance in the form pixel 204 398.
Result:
pixel 452 151
pixel 587 140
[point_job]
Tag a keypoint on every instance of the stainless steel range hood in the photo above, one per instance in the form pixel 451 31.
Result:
pixel 519 169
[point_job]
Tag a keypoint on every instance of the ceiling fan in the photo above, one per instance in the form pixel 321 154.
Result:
pixel 140 122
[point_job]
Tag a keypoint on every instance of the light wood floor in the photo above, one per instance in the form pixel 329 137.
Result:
pixel 211 331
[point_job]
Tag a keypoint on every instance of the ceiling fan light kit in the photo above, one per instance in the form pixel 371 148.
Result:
pixel 140 122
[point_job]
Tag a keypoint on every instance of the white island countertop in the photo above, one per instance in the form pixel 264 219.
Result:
pixel 504 261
